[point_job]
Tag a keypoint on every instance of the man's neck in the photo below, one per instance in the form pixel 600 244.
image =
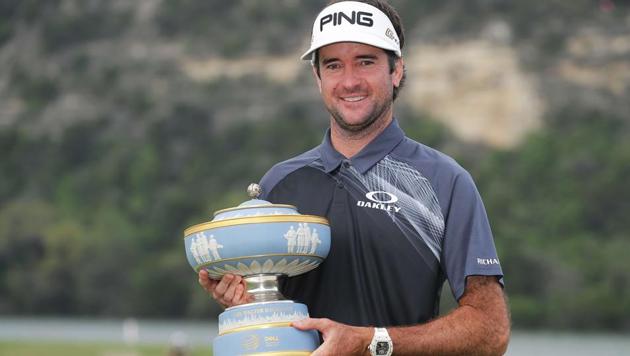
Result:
pixel 350 143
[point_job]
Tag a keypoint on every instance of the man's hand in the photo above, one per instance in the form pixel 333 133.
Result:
pixel 229 291
pixel 339 339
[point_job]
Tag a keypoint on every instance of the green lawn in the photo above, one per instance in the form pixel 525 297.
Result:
pixel 17 348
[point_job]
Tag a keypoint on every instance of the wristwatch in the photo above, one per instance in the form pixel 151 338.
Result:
pixel 381 343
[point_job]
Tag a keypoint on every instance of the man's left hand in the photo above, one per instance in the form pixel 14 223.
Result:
pixel 339 339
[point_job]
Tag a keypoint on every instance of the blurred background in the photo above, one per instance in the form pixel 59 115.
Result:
pixel 123 122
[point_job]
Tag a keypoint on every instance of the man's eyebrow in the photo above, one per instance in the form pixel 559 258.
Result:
pixel 361 56
pixel 329 60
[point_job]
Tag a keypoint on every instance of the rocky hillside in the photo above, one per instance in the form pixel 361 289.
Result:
pixel 489 70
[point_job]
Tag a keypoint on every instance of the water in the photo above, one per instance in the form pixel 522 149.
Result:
pixel 550 343
pixel 201 333
pixel 129 331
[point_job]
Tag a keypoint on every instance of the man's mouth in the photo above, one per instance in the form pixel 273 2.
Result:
pixel 353 99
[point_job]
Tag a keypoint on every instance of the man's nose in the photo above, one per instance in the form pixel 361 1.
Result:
pixel 351 78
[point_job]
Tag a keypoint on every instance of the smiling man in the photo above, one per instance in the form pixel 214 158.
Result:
pixel 404 217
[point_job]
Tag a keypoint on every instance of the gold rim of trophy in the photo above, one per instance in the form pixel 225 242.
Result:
pixel 257 326
pixel 255 220
pixel 255 207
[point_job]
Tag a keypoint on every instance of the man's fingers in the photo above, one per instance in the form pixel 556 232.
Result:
pixel 311 323
pixel 228 291
pixel 238 294
pixel 320 325
pixel 203 277
pixel 223 285
pixel 231 289
pixel 205 281
pixel 322 351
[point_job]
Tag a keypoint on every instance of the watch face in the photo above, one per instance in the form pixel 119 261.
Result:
pixel 382 347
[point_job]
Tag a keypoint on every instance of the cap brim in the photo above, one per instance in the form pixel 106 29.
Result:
pixel 364 38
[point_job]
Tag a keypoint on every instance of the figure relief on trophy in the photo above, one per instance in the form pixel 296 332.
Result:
pixel 303 240
pixel 262 242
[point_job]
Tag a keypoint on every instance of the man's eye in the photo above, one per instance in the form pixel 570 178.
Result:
pixel 366 62
pixel 332 66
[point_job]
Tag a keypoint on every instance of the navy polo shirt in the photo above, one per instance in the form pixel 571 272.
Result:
pixel 403 217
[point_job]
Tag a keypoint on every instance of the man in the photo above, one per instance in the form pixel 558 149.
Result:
pixel 404 217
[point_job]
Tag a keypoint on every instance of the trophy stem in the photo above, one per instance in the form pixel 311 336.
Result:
pixel 264 287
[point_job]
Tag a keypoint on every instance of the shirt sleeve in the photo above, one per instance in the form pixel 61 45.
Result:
pixel 468 244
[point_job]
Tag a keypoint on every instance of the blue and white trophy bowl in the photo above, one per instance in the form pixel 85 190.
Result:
pixel 261 242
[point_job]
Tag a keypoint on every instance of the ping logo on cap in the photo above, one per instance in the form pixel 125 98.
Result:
pixel 357 17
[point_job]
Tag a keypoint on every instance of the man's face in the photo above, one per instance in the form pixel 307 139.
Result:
pixel 356 84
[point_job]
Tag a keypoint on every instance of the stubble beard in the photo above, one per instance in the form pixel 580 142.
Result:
pixel 364 126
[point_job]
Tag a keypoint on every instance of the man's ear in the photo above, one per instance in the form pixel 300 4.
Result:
pixel 317 78
pixel 399 70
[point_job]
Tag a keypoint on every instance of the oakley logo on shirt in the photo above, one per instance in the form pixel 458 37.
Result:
pixel 380 200
pixel 378 195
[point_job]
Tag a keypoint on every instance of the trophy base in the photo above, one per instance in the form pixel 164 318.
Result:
pixel 261 328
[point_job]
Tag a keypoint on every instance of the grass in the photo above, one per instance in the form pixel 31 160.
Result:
pixel 24 348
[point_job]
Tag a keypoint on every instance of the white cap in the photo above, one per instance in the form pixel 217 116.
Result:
pixel 353 21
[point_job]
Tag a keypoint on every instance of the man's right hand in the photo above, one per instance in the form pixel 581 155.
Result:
pixel 229 291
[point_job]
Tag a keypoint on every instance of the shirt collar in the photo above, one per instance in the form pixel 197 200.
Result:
pixel 375 151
